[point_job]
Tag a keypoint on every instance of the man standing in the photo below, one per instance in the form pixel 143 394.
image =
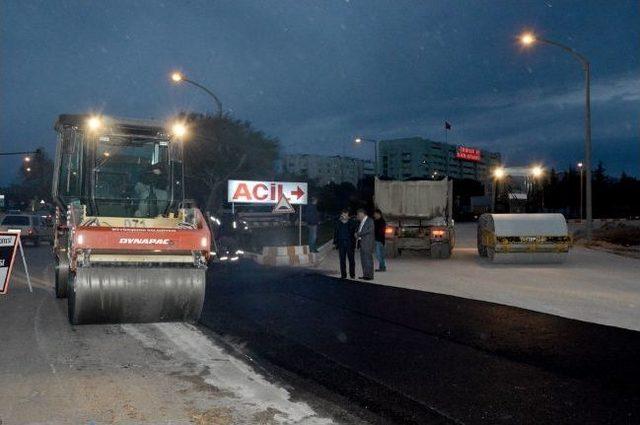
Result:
pixel 380 225
pixel 312 224
pixel 344 240
pixel 366 243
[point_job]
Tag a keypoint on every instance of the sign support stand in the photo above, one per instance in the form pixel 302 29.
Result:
pixel 24 264
pixel 300 227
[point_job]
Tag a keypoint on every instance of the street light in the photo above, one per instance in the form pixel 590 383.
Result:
pixel 27 159
pixel 94 123
pixel 179 130
pixel 536 171
pixel 359 140
pixel 179 77
pixel 528 39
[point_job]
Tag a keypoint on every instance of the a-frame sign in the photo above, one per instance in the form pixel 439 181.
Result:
pixel 283 206
pixel 8 250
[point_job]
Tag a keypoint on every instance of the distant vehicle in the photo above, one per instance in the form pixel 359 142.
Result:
pixel 231 235
pixel 33 228
pixel 418 215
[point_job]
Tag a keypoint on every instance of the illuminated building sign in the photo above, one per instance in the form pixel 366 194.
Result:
pixel 468 154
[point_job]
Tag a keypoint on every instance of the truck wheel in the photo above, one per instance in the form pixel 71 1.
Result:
pixel 62 278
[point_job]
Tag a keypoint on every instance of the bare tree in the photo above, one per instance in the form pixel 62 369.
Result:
pixel 222 148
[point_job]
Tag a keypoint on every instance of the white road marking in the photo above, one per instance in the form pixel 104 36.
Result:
pixel 250 389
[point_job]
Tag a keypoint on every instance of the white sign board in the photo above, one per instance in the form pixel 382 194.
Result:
pixel 266 192
pixel 8 244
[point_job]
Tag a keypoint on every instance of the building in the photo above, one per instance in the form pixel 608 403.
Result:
pixel 416 157
pixel 326 169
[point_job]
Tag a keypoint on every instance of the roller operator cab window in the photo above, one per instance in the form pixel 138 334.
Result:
pixel 131 177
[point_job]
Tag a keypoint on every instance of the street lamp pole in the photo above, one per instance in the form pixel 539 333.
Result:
pixel 179 77
pixel 528 39
pixel 580 165
pixel 359 140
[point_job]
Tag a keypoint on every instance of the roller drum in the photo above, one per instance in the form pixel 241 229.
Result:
pixel 135 294
pixel 523 238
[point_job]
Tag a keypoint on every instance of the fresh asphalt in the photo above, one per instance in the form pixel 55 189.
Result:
pixel 417 357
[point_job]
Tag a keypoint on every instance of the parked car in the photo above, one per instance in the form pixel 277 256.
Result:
pixel 33 228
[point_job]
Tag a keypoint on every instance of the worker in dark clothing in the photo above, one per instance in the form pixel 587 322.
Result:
pixel 379 227
pixel 344 242
pixel 312 219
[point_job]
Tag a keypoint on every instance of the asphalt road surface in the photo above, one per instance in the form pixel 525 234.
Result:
pixel 297 346
pixel 418 357
pixel 593 286
pixel 168 373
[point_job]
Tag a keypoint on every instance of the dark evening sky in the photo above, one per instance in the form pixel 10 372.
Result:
pixel 316 73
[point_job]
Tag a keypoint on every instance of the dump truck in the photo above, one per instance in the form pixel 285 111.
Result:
pixel 517 231
pixel 418 215
pixel 127 248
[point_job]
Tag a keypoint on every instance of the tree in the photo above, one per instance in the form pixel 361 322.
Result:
pixel 222 148
pixel 34 180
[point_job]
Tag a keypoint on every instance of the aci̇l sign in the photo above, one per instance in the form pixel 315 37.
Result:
pixel 266 192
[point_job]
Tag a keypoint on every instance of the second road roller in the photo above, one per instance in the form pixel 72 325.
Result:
pixel 518 232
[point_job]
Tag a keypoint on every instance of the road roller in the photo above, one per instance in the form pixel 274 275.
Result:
pixel 523 238
pixel 521 234
pixel 128 247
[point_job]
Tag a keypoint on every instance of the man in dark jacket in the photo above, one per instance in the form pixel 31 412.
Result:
pixel 312 219
pixel 366 243
pixel 344 241
pixel 380 225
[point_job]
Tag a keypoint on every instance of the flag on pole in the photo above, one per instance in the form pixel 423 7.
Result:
pixel 447 125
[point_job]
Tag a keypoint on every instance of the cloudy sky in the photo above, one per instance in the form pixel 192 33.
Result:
pixel 316 73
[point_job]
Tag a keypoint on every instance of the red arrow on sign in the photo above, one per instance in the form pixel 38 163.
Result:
pixel 298 192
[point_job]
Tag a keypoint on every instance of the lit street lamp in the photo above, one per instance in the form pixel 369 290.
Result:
pixel 528 39
pixel 360 140
pixel 178 77
pixel 536 171
pixel 580 167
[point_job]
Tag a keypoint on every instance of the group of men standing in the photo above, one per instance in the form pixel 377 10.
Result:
pixel 362 233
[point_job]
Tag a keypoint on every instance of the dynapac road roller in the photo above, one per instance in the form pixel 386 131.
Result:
pixel 127 248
